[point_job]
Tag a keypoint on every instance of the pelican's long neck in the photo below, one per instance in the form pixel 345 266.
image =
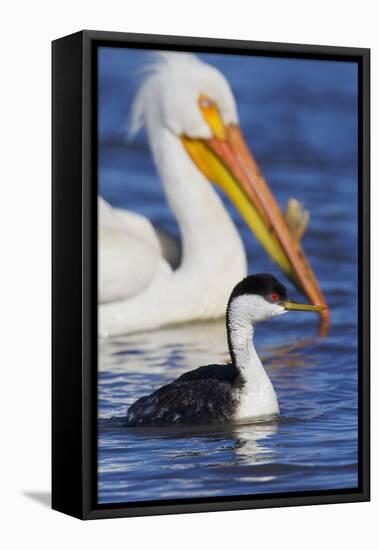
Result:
pixel 205 225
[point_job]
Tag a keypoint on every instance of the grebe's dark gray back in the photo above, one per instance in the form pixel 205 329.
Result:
pixel 215 394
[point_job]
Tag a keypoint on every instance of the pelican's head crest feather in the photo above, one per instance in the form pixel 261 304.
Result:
pixel 169 92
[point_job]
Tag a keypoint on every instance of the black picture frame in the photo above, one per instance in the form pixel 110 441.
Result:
pixel 74 272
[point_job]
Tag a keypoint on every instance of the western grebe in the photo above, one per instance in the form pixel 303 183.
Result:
pixel 237 391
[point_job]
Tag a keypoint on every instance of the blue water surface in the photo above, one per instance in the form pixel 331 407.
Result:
pixel 299 118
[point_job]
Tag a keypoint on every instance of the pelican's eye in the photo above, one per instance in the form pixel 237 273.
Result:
pixel 211 115
pixel 205 102
pixel 274 297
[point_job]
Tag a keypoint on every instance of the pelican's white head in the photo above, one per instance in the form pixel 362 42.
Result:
pixel 181 93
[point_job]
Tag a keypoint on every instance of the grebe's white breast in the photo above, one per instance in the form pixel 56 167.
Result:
pixel 257 400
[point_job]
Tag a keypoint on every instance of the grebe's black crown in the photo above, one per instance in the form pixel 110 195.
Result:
pixel 262 284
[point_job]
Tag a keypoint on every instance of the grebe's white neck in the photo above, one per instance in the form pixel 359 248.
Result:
pixel 240 337
pixel 258 396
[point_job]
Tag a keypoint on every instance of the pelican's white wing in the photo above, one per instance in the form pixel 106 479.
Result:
pixel 129 253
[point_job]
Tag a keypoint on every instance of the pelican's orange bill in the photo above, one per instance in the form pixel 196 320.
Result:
pixel 227 162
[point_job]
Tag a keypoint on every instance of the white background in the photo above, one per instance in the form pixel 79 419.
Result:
pixel 26 31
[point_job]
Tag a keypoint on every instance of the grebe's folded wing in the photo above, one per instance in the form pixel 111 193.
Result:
pixel 222 373
pixel 191 402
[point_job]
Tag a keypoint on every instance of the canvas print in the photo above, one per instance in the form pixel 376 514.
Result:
pixel 227 275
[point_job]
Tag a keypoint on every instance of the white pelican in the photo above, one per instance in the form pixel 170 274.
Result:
pixel 238 391
pixel 191 119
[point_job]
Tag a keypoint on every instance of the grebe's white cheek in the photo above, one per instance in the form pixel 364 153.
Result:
pixel 273 310
pixel 252 309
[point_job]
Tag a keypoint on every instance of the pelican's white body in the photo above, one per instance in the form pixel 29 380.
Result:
pixel 257 397
pixel 138 289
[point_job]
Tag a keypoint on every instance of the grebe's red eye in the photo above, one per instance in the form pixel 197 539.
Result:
pixel 274 297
